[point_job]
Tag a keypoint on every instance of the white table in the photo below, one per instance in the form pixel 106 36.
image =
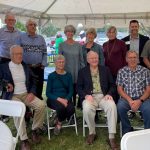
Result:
pixel 6 138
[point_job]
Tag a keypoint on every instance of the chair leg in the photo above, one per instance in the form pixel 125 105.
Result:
pixel 75 122
pixel 83 127
pixel 48 125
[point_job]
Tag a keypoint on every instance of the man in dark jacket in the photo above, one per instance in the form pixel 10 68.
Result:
pixel 135 41
pixel 21 87
pixel 95 87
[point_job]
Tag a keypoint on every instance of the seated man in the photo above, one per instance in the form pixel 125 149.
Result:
pixel 22 88
pixel 95 87
pixel 133 84
pixel 59 92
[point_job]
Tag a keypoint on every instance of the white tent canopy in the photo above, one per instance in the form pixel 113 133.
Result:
pixel 91 13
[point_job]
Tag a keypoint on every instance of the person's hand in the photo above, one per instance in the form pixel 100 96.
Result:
pixel 89 98
pixel 30 97
pixel 63 101
pixel 10 87
pixel 136 104
pixel 108 97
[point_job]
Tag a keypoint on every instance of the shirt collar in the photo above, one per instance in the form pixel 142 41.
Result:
pixel 35 36
pixel 138 68
pixel 6 30
pixel 14 65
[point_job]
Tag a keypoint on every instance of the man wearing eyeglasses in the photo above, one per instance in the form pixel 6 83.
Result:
pixel 34 53
pixel 133 85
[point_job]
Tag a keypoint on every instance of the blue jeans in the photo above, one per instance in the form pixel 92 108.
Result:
pixel 123 107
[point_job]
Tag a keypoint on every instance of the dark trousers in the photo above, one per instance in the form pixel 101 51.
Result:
pixel 62 111
pixel 39 74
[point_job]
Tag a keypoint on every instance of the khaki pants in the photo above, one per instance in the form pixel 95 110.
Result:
pixel 38 106
pixel 109 107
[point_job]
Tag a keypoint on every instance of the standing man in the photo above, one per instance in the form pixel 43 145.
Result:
pixel 146 54
pixel 95 91
pixel 8 37
pixel 34 53
pixel 133 84
pixel 135 41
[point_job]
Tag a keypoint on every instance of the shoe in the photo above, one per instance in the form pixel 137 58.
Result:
pixel 90 139
pixel 112 143
pixel 131 114
pixel 25 145
pixel 57 129
pixel 35 136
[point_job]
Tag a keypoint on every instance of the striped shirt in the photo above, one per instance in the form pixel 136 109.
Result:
pixel 133 82
pixel 7 39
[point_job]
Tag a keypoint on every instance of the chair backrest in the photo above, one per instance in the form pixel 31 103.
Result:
pixel 14 109
pixel 136 140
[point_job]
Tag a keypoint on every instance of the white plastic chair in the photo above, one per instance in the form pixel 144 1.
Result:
pixel 136 140
pixel 49 115
pixel 14 109
pixel 104 125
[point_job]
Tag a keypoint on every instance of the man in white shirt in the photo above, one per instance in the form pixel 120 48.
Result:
pixel 21 87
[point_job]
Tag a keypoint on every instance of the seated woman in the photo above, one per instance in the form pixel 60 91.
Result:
pixel 59 92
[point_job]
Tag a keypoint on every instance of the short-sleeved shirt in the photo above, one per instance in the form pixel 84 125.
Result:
pixel 133 82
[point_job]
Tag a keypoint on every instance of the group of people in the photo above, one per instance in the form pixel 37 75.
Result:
pixel 108 77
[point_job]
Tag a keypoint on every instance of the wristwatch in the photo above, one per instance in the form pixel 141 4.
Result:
pixel 142 100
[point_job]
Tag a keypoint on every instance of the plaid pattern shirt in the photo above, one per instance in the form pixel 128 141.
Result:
pixel 133 82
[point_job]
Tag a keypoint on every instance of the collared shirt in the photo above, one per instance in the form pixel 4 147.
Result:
pixel 7 39
pixel 96 83
pixel 18 76
pixel 133 82
pixel 34 49
pixel 134 44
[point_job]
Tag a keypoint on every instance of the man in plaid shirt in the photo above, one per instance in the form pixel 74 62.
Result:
pixel 133 85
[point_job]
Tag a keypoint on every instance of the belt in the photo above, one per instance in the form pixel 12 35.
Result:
pixel 34 65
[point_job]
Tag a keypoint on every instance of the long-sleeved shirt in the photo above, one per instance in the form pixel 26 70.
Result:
pixel 96 48
pixel 34 49
pixel 59 86
pixel 115 53
pixel 74 58
pixel 7 39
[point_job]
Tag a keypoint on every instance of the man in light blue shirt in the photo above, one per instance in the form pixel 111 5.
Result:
pixel 8 37
pixel 34 53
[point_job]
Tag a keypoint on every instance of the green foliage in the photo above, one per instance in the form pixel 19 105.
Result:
pixel 19 25
pixel 49 30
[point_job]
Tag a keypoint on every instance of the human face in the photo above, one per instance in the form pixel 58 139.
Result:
pixel 93 59
pixel 16 55
pixel 10 21
pixel 111 34
pixel 90 37
pixel 31 27
pixel 132 60
pixel 69 34
pixel 60 63
pixel 134 28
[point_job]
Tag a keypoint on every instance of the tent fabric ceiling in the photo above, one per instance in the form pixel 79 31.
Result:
pixel 94 13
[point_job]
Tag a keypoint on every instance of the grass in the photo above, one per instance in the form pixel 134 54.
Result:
pixel 68 140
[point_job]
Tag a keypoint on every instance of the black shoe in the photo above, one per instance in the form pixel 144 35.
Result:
pixel 131 114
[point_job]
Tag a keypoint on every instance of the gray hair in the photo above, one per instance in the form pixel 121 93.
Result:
pixel 59 57
pixel 9 14
pixel 91 52
pixel 14 47
pixel 70 28
pixel 112 28
pixel 91 30
pixel 30 20
pixel 132 51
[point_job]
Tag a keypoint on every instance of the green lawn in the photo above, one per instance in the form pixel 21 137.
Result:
pixel 68 140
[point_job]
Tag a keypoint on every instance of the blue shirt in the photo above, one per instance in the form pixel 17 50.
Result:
pixel 34 49
pixel 7 39
pixel 133 82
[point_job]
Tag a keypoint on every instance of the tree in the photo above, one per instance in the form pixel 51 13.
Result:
pixel 19 25
pixel 49 30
